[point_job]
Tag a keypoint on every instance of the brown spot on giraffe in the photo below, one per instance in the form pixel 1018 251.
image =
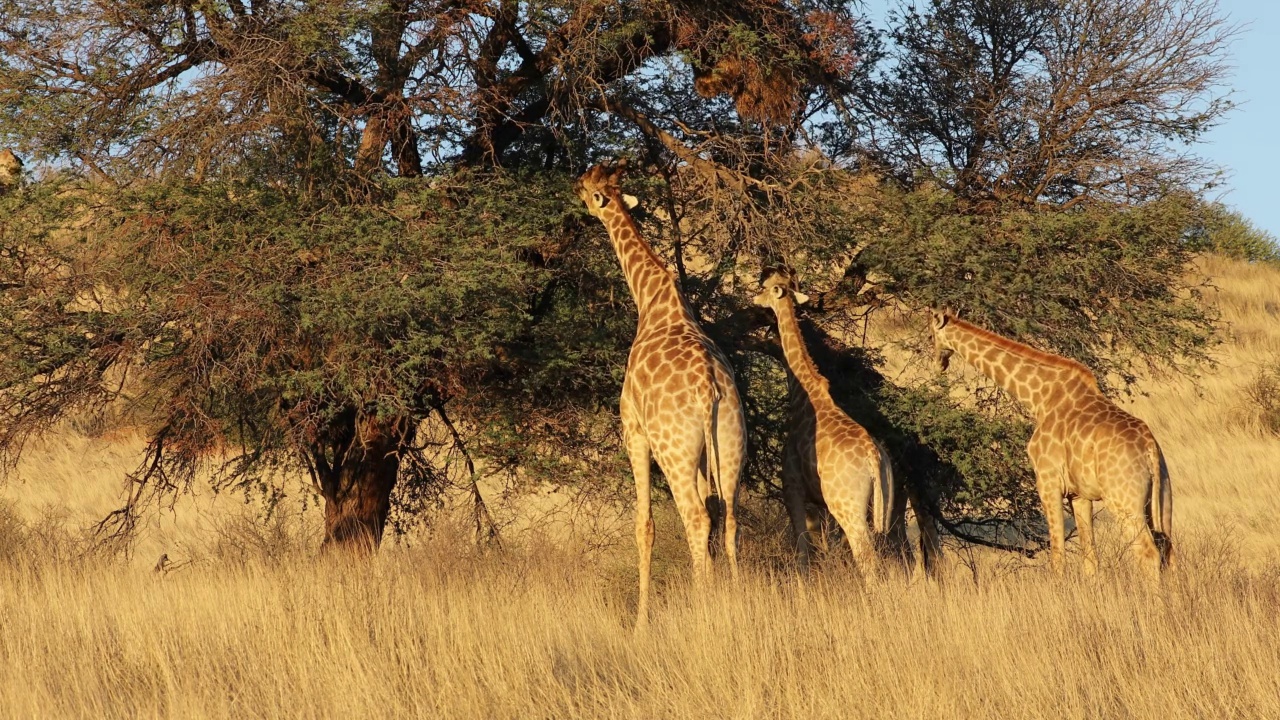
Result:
pixel 679 404
pixel 828 459
pixel 1084 448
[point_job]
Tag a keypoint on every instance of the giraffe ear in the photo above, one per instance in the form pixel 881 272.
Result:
pixel 801 298
pixel 630 201
pixel 939 319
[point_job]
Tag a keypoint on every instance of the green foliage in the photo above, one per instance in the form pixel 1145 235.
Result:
pixel 1226 232
pixel 250 280
pixel 256 319
pixel 1100 285
pixel 971 462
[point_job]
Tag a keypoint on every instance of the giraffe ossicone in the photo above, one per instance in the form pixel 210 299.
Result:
pixel 1084 448
pixel 679 404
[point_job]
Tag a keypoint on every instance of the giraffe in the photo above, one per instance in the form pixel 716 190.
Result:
pixel 679 404
pixel 1084 447
pixel 828 459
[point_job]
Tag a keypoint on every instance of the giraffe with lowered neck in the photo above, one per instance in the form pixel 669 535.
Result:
pixel 828 459
pixel 679 404
pixel 1084 447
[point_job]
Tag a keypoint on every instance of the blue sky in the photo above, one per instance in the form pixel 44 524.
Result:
pixel 1247 143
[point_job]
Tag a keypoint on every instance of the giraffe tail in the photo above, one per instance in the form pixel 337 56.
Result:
pixel 711 441
pixel 882 494
pixel 1161 503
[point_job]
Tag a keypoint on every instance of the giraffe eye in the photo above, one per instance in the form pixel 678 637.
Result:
pixel 601 200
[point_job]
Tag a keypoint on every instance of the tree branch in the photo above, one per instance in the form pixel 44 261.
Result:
pixel 486 529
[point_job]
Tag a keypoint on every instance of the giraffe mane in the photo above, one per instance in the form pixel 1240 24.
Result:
pixel 1023 350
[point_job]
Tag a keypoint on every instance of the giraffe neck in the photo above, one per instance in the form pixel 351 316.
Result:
pixel 647 276
pixel 799 362
pixel 1035 378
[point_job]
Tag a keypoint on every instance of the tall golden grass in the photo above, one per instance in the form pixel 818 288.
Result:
pixel 249 621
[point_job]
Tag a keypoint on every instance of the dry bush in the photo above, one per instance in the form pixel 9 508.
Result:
pixel 276 540
pixel 50 543
pixel 1263 399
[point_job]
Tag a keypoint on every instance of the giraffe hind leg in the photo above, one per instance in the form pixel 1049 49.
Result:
pixel 683 479
pixel 1165 537
pixel 851 514
pixel 732 468
pixel 1141 541
pixel 714 505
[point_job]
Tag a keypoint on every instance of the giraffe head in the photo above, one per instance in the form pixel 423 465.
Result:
pixel 942 349
pixel 598 188
pixel 777 285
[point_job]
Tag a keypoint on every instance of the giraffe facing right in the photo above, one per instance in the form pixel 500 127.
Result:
pixel 1084 448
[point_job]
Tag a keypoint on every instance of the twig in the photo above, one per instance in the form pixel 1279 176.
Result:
pixel 480 509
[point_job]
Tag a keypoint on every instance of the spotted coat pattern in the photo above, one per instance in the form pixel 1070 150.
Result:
pixel 1084 447
pixel 828 460
pixel 680 404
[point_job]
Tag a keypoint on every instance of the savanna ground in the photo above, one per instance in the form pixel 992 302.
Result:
pixel 249 621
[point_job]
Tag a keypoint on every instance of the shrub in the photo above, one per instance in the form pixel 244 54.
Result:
pixel 1263 398
pixel 1226 232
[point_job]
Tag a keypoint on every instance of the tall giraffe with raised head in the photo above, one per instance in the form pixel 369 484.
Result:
pixel 1084 447
pixel 679 403
pixel 828 459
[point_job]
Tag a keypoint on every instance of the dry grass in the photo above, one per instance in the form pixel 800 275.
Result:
pixel 252 624
pixel 1224 467
pixel 435 632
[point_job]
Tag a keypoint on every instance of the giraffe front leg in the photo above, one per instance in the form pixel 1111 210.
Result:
pixel 1051 501
pixel 638 454
pixel 895 539
pixel 1082 509
pixel 793 498
pixel 929 559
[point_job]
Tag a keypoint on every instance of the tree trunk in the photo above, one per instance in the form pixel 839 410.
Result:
pixel 404 145
pixel 373 141
pixel 356 479
pixel 392 123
